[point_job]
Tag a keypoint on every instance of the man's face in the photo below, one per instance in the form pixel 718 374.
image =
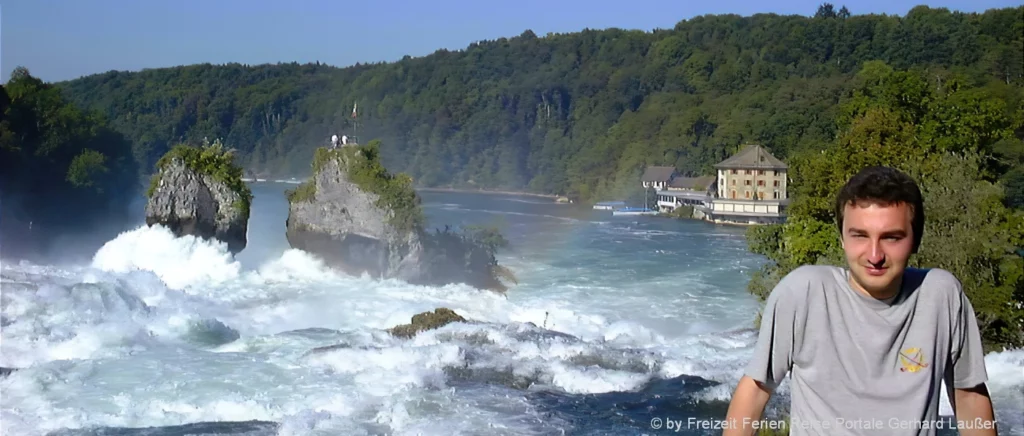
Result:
pixel 878 240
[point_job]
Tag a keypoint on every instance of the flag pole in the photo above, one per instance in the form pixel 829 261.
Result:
pixel 355 123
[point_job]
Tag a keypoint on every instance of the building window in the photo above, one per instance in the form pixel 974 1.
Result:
pixel 776 196
pixel 760 183
pixel 746 182
pixel 734 194
pixel 734 171
pixel 776 183
pixel 734 182
pixel 748 194
pixel 760 172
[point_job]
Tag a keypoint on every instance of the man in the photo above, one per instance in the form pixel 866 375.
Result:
pixel 867 346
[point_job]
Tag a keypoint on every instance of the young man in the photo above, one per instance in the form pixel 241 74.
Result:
pixel 867 346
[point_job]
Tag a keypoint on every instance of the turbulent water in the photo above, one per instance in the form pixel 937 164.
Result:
pixel 615 322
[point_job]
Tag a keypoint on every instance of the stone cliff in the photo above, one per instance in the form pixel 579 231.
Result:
pixel 360 219
pixel 198 191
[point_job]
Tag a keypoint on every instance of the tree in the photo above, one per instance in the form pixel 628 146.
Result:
pixel 889 119
pixel 826 10
pixel 86 168
pixel 55 158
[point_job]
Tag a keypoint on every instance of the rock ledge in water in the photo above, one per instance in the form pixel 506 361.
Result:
pixel 200 192
pixel 359 218
pixel 426 321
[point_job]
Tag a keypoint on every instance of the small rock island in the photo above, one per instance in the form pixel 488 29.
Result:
pixel 359 218
pixel 199 191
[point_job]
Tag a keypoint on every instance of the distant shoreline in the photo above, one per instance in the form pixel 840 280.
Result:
pixel 486 192
pixel 453 190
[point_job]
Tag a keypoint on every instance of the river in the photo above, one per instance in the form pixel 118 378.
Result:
pixel 616 321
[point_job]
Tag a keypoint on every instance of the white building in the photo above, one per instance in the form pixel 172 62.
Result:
pixel 750 187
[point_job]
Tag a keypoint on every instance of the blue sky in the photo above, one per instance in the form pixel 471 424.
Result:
pixel 60 40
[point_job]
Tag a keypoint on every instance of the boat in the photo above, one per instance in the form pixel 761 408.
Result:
pixel 627 211
pixel 609 205
pixel 633 211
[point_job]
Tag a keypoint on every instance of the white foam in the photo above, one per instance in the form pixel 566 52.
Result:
pixel 1006 385
pixel 133 341
pixel 178 261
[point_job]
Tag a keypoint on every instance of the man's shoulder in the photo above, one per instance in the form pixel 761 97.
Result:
pixel 937 276
pixel 937 282
pixel 807 278
pixel 813 274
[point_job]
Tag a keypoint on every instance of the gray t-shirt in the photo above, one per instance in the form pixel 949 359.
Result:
pixel 859 365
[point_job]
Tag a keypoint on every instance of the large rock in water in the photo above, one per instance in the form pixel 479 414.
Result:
pixel 199 192
pixel 360 219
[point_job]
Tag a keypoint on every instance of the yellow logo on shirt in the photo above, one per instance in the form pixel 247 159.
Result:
pixel 912 360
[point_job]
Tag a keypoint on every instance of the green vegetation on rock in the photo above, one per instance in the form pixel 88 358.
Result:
pixel 363 167
pixel 306 191
pixel 952 138
pixel 426 321
pixel 212 160
pixel 473 249
pixel 395 191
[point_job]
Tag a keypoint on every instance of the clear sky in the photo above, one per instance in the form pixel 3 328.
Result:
pixel 60 40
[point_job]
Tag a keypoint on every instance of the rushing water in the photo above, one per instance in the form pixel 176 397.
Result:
pixel 615 321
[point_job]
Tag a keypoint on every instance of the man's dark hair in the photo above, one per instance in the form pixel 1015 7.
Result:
pixel 884 185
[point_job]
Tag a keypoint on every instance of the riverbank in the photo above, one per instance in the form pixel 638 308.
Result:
pixel 452 190
pixel 488 192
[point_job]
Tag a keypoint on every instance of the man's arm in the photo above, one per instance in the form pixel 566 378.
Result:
pixel 969 397
pixel 974 414
pixel 772 357
pixel 746 407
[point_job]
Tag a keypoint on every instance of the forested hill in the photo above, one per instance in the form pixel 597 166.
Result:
pixel 67 180
pixel 578 113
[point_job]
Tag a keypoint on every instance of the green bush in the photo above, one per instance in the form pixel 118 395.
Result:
pixel 212 160
pixel 306 191
pixel 473 250
pixel 86 168
pixel 682 212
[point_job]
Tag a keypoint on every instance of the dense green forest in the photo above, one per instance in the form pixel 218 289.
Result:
pixel 578 113
pixel 63 171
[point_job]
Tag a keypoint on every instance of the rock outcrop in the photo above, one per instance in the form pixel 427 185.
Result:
pixel 359 218
pixel 200 192
pixel 440 317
